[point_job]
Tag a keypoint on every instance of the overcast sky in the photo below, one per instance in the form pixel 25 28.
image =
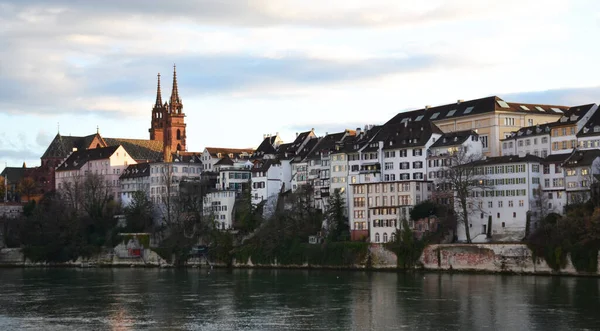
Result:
pixel 250 67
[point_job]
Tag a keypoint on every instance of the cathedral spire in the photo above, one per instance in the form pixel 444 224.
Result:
pixel 175 91
pixel 158 103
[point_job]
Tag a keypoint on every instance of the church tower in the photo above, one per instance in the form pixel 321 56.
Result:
pixel 158 116
pixel 174 129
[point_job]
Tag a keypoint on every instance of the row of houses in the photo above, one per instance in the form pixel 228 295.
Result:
pixel 381 171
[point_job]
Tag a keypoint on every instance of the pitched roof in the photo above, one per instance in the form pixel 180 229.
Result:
pixel 13 174
pixel 582 158
pixel 509 159
pixel 136 171
pixel 453 138
pixel 326 143
pixel 139 149
pixel 354 143
pixel 237 152
pixel 187 157
pixel 62 146
pixel 474 107
pixel 592 127
pixel 78 158
pixel 403 135
pixel 225 160
pixel 531 131
pixel 301 154
pixel 263 166
pixel 265 147
pixel 557 158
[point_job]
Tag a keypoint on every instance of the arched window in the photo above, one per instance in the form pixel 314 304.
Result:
pixel 97 145
pixel 178 134
pixel 377 237
pixel 393 236
pixel 385 237
pixel 178 147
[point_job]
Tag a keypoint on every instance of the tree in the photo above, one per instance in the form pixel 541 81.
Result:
pixel 247 216
pixel 139 213
pixel 26 187
pixel 540 205
pixel 2 188
pixel 337 228
pixel 464 176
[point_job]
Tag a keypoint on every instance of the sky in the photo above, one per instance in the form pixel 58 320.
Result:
pixel 251 67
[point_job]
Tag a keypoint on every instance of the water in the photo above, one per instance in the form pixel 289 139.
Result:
pixel 153 299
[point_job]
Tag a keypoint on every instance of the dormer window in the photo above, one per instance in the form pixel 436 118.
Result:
pixel 468 110
pixel 451 113
pixel 597 128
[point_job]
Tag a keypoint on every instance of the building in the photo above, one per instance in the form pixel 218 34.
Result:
pixel 135 178
pixel 580 170
pixel 106 162
pixel 440 156
pixel 212 155
pixel 491 117
pixel 12 176
pixel 219 205
pixel 500 208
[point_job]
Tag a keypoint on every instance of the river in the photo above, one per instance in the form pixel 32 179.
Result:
pixel 194 299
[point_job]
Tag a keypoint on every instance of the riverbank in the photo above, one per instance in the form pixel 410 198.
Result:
pixel 484 258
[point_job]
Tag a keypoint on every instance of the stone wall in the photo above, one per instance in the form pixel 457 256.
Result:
pixel 515 258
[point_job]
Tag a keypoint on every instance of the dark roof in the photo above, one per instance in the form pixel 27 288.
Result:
pixel 285 151
pixel 136 171
pixel 300 138
pixel 509 159
pixel 403 135
pixel 453 138
pixel 225 160
pixel 301 154
pixel 326 144
pixel 474 107
pixel 592 127
pixel 237 152
pixel 557 158
pixel 263 166
pixel 530 131
pixel 353 144
pixel 187 157
pixel 78 158
pixel 582 158
pixel 62 146
pixel 265 147
pixel 13 174
pixel 139 149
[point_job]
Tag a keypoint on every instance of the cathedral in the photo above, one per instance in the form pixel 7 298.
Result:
pixel 167 137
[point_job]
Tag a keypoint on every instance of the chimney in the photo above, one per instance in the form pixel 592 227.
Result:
pixel 358 131
pixel 264 136
pixel 427 107
pixel 459 101
pixel 296 134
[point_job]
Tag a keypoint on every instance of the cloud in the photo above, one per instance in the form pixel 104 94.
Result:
pixel 260 13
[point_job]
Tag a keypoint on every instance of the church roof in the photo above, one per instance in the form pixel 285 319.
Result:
pixel 62 146
pixel 139 149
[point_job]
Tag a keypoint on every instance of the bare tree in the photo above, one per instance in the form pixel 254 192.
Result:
pixel 88 194
pixel 26 187
pixel 540 205
pixel 464 175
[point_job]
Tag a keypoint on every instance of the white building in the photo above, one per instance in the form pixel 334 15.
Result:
pixel 212 155
pixel 108 162
pixel 269 178
pixel 513 180
pixel 439 157
pixel 165 177
pixel 534 140
pixel 220 204
pixel 136 177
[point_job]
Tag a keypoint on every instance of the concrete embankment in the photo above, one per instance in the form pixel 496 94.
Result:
pixel 487 258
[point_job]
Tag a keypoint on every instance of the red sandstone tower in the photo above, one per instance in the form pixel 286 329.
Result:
pixel 168 121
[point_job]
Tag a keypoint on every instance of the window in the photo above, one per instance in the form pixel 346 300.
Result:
pixel 499 204
pixel 389 165
pixel 377 237
pixel 484 141
pixel 530 122
pixel 509 121
pixel 417 152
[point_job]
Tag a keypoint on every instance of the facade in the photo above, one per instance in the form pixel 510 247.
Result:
pixel 212 155
pixel 135 178
pixel 165 177
pixel 220 205
pixel 107 162
pixel 504 204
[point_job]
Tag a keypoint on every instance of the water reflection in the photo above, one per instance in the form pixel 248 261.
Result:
pixel 133 299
